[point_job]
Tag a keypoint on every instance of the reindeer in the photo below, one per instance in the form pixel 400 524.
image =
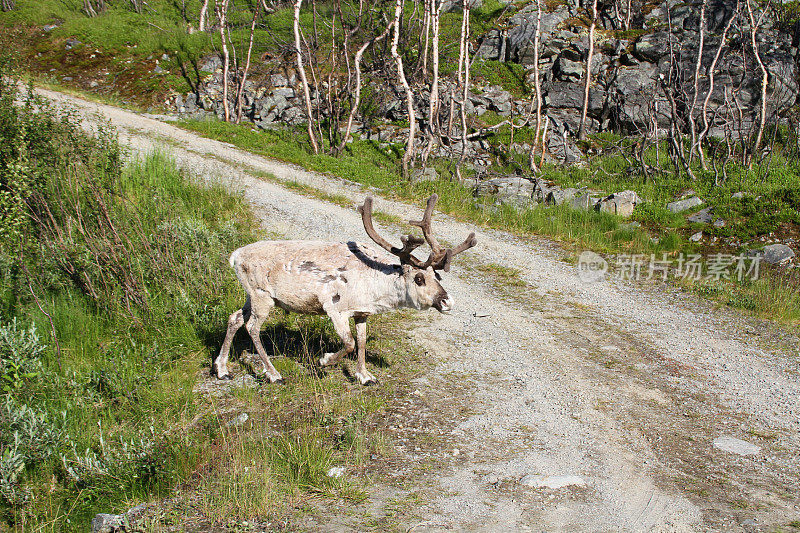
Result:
pixel 342 280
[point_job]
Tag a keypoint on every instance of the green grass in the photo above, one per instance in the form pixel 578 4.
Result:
pixel 104 407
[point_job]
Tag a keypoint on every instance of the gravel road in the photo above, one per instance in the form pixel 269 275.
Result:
pixel 566 405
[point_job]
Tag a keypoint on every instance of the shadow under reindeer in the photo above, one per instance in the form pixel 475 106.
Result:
pixel 302 339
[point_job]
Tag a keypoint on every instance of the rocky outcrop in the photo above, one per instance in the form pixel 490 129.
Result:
pixel 521 192
pixel 631 66
pixel 630 71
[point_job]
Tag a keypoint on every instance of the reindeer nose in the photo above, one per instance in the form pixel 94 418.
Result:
pixel 445 304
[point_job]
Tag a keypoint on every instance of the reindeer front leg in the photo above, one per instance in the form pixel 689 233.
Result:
pixel 341 323
pixel 361 366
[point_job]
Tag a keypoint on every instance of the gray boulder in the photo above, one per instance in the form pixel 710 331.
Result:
pixel 584 201
pixel 506 186
pixel 704 216
pixel 424 174
pixel 651 47
pixel 211 64
pixel 684 205
pixel 278 80
pixel 776 254
pixel 568 70
pixel 558 195
pixel 616 205
pixel 629 195
pixel 108 523
pixel 541 189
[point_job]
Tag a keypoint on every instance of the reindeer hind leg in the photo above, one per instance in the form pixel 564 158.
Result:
pixel 260 311
pixel 341 323
pixel 235 322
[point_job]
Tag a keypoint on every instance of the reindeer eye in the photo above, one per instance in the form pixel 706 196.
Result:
pixel 438 277
pixel 419 279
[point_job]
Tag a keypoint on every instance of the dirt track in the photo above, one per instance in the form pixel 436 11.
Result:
pixel 615 390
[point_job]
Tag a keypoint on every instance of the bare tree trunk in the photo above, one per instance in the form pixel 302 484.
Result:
pixel 544 139
pixel 754 25
pixel 695 146
pixel 463 78
pixel 433 108
pixel 357 90
pixel 222 15
pixel 201 25
pixel 537 85
pixel 246 65
pixel 711 74
pixel 582 127
pixel 628 13
pixel 412 121
pixel 303 79
pixel 88 8
pixel 430 6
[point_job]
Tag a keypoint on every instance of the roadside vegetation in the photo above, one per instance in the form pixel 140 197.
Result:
pixel 114 296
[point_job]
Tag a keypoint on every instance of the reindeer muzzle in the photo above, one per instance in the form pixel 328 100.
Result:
pixel 443 302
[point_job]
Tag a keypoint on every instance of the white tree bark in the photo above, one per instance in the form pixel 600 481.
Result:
pixel 201 25
pixel 246 69
pixel 222 15
pixel 357 90
pixel 463 78
pixel 582 127
pixel 696 89
pixel 754 26
pixel 303 79
pixel 412 122
pixel 711 72
pixel 537 85
pixel 433 107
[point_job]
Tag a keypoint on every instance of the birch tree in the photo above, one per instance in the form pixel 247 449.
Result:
pixel 401 76
pixel 243 79
pixel 435 7
pixel 357 91
pixel 303 79
pixel 711 78
pixel 463 80
pixel 221 7
pixel 755 24
pixel 582 127
pixel 695 146
pixel 537 85
pixel 201 24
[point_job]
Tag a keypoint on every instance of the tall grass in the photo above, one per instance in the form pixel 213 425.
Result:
pixel 123 274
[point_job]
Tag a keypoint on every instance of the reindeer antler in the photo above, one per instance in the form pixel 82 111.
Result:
pixel 439 258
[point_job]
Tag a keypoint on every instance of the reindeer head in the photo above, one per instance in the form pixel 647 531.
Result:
pixel 421 277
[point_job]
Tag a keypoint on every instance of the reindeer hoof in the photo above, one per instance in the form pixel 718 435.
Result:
pixel 367 379
pixel 327 360
pixel 225 377
pixel 279 381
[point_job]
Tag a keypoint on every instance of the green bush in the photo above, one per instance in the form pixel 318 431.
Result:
pixel 129 267
pixel 27 437
pixel 20 353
